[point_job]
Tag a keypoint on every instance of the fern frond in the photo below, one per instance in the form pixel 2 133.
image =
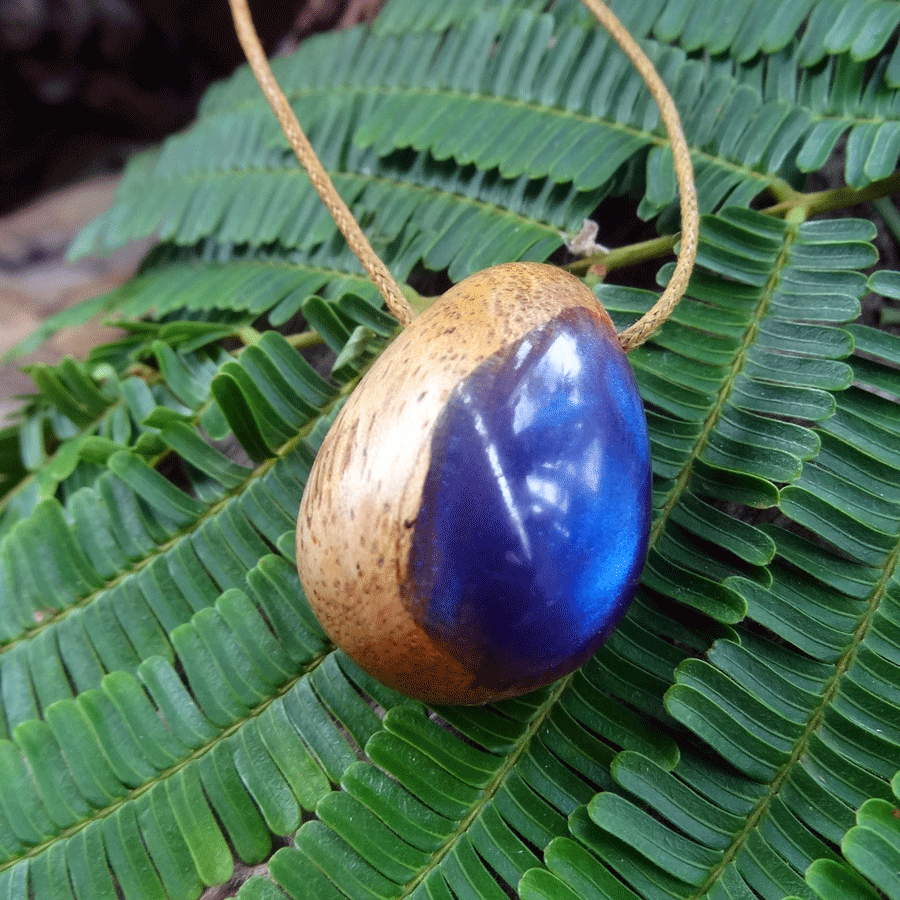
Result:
pixel 807 740
pixel 255 175
pixel 135 543
pixel 462 100
pixel 83 413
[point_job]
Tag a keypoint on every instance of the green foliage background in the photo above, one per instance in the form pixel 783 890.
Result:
pixel 170 708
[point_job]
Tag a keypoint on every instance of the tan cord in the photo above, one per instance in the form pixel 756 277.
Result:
pixel 636 334
pixel 631 337
pixel 342 216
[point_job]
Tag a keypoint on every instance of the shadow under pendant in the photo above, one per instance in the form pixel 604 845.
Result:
pixel 477 519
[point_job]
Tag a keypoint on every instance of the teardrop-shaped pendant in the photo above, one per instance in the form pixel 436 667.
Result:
pixel 477 518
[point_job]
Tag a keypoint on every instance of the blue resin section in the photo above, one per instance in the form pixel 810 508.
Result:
pixel 535 512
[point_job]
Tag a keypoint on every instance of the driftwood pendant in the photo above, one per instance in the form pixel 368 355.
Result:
pixel 476 520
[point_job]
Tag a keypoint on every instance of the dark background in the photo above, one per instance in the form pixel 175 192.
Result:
pixel 84 83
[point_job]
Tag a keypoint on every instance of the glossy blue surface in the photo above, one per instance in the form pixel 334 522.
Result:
pixel 535 512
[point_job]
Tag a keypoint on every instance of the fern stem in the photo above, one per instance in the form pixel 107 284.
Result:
pixel 805 205
pixel 889 213
pixel 305 339
pixel 344 219
pixel 248 335
pixel 629 255
pixel 783 192
pixel 837 198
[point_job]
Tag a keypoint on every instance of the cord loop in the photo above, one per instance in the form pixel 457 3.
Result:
pixel 631 337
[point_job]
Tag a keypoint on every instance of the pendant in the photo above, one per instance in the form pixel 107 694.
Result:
pixel 475 524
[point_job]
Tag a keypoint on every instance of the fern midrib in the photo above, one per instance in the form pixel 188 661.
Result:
pixel 684 476
pixel 261 469
pixel 488 793
pixel 778 185
pixel 228 730
pixel 339 175
pixel 152 376
pixel 831 689
pixel 130 571
pixel 490 790
pixel 261 263
pixel 768 180
pixel 161 549
pixel 135 793
pixel 651 138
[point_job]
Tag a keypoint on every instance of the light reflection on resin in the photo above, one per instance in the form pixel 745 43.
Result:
pixel 535 511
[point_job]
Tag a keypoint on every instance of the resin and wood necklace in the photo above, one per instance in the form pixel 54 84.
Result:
pixel 476 521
